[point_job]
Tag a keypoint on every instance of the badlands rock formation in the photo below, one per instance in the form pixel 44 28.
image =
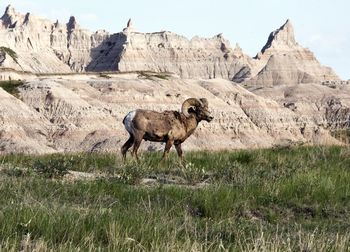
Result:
pixel 326 106
pixel 169 52
pixel 290 98
pixel 283 61
pixel 85 113
pixel 43 46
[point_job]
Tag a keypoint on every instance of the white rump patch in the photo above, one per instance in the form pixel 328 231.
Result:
pixel 128 121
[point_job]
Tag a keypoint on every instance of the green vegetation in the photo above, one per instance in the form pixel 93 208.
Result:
pixel 103 75
pixel 142 74
pixel 11 86
pixel 9 52
pixel 153 75
pixel 294 199
pixel 53 167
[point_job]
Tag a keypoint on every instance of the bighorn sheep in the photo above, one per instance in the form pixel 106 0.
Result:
pixel 171 127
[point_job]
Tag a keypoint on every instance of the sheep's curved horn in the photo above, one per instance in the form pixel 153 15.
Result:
pixel 204 101
pixel 190 102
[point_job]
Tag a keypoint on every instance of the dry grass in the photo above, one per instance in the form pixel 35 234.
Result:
pixel 264 200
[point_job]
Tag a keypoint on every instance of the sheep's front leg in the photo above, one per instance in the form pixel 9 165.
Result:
pixel 168 145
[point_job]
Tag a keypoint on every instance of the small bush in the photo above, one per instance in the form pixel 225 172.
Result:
pixel 129 174
pixel 11 86
pixel 53 167
pixel 103 75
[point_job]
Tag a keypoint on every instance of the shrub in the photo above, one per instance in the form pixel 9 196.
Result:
pixel 53 167
pixel 11 86
pixel 103 75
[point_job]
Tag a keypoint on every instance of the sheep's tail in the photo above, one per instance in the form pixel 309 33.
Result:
pixel 125 118
pixel 127 121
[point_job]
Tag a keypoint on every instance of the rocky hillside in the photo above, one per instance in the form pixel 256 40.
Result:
pixel 29 43
pixel 84 113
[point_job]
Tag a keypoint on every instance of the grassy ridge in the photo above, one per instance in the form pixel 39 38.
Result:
pixel 297 199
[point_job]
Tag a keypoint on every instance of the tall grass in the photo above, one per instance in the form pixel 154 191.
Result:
pixel 263 200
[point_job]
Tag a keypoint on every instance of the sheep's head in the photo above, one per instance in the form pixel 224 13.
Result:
pixel 198 108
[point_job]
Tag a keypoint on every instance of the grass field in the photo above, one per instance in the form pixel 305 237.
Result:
pixel 262 200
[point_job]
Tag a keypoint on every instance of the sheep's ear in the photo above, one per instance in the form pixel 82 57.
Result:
pixel 204 101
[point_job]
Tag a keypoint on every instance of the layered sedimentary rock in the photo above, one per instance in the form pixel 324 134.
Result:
pixel 169 52
pixel 283 61
pixel 42 46
pixel 22 129
pixel 85 113
pixel 327 106
pixel 29 38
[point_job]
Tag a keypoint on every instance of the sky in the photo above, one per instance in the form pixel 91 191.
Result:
pixel 323 26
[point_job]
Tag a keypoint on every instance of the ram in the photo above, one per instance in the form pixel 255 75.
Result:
pixel 171 127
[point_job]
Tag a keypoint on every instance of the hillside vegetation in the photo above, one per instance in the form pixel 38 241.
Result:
pixel 264 200
pixel 11 86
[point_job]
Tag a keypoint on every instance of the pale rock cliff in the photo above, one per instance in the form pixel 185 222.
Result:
pixel 28 36
pixel 169 52
pixel 42 46
pixel 283 61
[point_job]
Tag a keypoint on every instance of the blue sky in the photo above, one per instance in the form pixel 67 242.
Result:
pixel 320 25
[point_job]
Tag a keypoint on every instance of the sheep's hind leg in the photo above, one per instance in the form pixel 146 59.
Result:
pixel 127 146
pixel 180 153
pixel 137 143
